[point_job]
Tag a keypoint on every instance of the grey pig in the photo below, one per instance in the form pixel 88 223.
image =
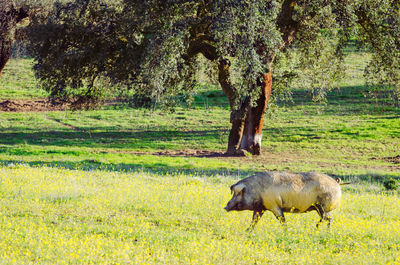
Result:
pixel 281 192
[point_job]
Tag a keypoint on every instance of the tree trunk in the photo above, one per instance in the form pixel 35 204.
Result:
pixel 247 122
pixel 238 120
pixel 251 139
pixel 5 53
pixel 9 18
pixel 238 117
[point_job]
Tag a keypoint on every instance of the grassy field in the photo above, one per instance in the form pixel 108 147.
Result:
pixel 131 186
pixel 56 216
pixel 356 134
pixel 18 81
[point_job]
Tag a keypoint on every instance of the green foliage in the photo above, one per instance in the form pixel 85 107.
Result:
pixel 377 25
pixel 76 35
pixel 247 31
pixel 390 184
pixel 380 21
pixel 149 47
pixel 14 15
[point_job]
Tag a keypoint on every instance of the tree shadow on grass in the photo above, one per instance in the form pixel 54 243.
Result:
pixel 163 169
pixel 369 178
pixel 103 137
pixel 160 169
pixel 348 99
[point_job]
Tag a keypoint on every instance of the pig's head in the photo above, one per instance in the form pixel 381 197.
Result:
pixel 242 198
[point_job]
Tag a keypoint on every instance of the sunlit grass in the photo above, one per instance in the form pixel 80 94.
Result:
pixel 355 133
pixel 18 81
pixel 298 138
pixel 50 216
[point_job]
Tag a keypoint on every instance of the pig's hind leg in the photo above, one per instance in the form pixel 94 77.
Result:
pixel 325 216
pixel 328 217
pixel 279 214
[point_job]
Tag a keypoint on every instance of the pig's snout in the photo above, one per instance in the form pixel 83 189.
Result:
pixel 230 206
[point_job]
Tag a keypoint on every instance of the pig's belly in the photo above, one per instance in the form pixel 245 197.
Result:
pixel 297 202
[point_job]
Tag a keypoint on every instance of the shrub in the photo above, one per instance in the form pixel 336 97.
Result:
pixel 390 184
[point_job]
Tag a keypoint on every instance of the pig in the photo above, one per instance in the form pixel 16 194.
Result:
pixel 281 192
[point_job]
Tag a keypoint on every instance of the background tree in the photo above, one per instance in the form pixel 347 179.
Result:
pixel 10 16
pixel 380 28
pixel 14 16
pixel 151 47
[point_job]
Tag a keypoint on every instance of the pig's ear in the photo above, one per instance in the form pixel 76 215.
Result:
pixel 239 188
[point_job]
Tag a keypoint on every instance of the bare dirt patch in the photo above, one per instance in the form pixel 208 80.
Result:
pixel 38 105
pixel 393 159
pixel 174 153
pixel 264 158
pixel 190 153
pixel 26 105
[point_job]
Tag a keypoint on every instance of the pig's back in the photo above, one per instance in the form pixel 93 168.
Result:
pixel 298 191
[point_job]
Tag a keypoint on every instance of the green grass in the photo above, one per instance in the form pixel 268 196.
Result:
pixel 130 186
pixel 300 138
pixel 18 81
pixel 351 135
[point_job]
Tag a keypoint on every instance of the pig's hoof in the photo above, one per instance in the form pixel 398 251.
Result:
pixel 250 229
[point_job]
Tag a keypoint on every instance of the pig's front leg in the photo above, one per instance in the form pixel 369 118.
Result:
pixel 256 217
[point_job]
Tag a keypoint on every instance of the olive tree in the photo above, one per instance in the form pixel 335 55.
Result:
pixel 14 16
pixel 10 16
pixel 152 47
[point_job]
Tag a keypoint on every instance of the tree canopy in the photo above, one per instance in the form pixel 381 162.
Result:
pixel 14 16
pixel 10 16
pixel 151 48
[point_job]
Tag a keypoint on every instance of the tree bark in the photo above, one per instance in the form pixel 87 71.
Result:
pixel 252 135
pixel 9 18
pixel 247 122
pixel 238 116
pixel 5 53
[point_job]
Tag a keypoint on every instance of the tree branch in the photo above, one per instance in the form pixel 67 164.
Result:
pixel 287 26
pixel 203 44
